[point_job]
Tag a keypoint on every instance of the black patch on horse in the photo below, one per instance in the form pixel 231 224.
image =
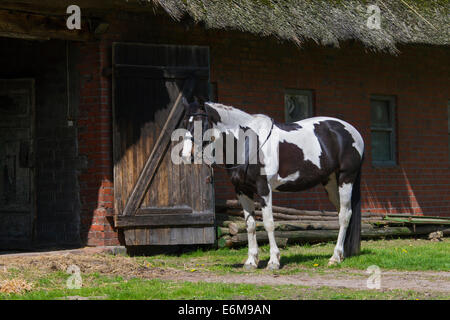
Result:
pixel 213 115
pixel 337 145
pixel 288 126
pixel 292 160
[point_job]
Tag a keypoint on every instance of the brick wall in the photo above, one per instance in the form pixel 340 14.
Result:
pixel 252 73
pixel 343 80
pixel 95 144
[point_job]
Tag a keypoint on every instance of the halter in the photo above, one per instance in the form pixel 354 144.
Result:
pixel 197 114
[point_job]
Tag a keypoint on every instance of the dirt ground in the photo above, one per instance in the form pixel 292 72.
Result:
pixel 422 281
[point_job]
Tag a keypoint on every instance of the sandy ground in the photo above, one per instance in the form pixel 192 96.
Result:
pixel 417 281
pixel 423 281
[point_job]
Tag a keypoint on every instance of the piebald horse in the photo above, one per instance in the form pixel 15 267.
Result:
pixel 295 156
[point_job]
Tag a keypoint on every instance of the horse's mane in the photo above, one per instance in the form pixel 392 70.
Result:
pixel 230 115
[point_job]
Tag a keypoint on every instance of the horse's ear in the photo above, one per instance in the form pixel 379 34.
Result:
pixel 200 100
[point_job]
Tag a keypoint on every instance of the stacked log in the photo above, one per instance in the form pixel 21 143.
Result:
pixel 300 226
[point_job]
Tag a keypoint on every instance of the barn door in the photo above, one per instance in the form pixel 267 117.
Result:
pixel 16 161
pixel 158 202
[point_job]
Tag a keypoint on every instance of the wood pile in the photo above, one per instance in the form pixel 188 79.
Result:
pixel 300 226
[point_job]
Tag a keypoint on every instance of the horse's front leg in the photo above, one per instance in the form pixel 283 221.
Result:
pixel 269 225
pixel 249 213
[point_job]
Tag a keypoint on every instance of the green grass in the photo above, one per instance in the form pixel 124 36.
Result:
pixel 410 255
pixel 139 289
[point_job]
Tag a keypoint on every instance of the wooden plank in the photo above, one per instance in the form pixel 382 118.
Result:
pixel 34 26
pixel 407 216
pixel 59 6
pixel 156 220
pixel 160 72
pixel 418 221
pixel 165 210
pixel 170 236
pixel 234 204
pixel 302 236
pixel 158 152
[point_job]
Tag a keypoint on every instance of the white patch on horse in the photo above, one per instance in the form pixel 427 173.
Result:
pixel 231 118
pixel 358 143
pixel 305 139
pixel 274 183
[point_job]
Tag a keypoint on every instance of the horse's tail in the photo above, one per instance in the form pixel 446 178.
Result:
pixel 352 242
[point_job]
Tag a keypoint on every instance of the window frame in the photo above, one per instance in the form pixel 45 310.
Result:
pixel 304 92
pixel 392 129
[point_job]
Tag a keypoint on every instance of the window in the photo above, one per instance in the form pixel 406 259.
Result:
pixel 383 130
pixel 298 105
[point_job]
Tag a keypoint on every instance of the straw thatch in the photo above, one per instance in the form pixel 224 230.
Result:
pixel 324 21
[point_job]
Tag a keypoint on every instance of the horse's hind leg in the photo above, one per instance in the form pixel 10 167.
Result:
pixel 333 191
pixel 249 213
pixel 345 213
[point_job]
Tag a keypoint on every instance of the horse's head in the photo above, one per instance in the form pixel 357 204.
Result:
pixel 194 111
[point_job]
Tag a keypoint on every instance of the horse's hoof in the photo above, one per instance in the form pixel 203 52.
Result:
pixel 333 262
pixel 249 266
pixel 273 266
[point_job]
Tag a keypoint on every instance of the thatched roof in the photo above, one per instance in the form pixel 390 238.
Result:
pixel 324 21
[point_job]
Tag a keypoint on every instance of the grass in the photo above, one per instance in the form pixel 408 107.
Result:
pixel 118 288
pixel 403 255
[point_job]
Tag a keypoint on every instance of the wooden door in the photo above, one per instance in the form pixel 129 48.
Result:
pixel 158 202
pixel 17 208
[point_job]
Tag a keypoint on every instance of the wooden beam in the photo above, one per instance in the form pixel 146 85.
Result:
pixel 160 220
pixel 60 6
pixel 34 26
pixel 158 152
pixel 158 72
pixel 165 210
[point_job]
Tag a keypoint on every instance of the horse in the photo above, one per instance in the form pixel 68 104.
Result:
pixel 292 157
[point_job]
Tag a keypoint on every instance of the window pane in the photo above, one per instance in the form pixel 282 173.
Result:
pixel 380 113
pixel 381 146
pixel 297 106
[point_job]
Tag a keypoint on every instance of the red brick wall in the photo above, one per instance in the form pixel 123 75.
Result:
pixel 95 143
pixel 255 75
pixel 252 73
